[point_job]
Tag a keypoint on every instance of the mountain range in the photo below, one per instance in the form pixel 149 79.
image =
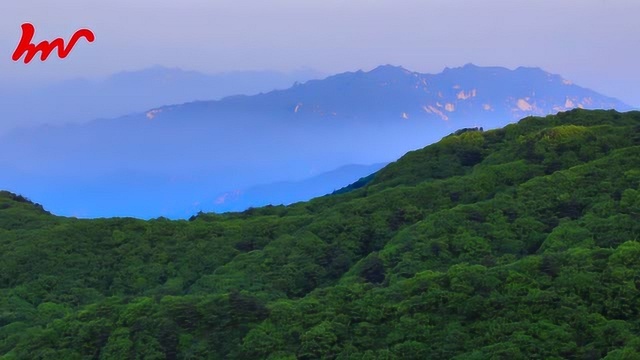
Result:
pixel 163 161
pixel 82 100
pixel 489 95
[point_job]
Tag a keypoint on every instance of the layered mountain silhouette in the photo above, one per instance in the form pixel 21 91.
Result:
pixel 165 160
pixel 288 192
pixel 82 100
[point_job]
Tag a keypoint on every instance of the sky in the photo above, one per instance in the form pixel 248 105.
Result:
pixel 595 43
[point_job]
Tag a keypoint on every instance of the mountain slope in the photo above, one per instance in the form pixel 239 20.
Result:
pixel 516 243
pixel 161 162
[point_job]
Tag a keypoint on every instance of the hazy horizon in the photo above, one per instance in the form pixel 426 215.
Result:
pixel 594 43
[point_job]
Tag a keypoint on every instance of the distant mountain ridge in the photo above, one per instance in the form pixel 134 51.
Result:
pixel 165 160
pixel 127 92
pixel 393 92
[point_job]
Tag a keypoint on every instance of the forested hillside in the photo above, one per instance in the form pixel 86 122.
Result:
pixel 516 243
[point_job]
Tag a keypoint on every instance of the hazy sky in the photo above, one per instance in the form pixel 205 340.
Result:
pixel 595 43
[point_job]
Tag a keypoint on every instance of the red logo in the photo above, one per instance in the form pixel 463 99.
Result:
pixel 29 50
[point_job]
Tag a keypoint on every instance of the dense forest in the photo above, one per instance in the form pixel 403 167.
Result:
pixel 515 243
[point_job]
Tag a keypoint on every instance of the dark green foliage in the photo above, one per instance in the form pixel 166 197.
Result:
pixel 516 243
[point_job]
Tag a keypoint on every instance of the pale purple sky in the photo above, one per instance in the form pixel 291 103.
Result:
pixel 595 43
